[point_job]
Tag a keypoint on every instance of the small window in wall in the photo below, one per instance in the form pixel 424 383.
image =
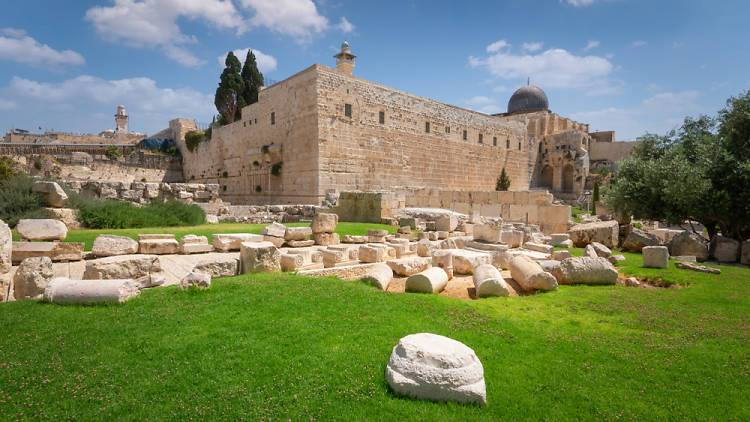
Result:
pixel 381 117
pixel 447 129
pixel 256 121
pixel 481 140
pixel 273 117
pixel 519 146
pixel 540 147
pixel 507 144
pixel 426 127
pixel 465 135
pixel 494 141
pixel 348 110
pixel 244 124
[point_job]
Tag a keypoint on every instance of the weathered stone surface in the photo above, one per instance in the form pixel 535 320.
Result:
pixel 487 232
pixel 324 223
pixel 297 233
pixel 446 223
pixel 258 257
pixel 6 247
pixel 512 238
pixel 371 254
pixel 432 367
pixel 616 259
pixel 604 232
pixel 655 257
pixel 688 258
pixel 276 241
pixel 601 250
pixel 744 257
pixel 291 262
pixel 426 247
pixel 431 280
pixel 549 265
pixel 217 266
pixel 638 239
pixel 190 244
pixel 585 270
pixel 557 238
pixel 347 238
pixel 274 229
pixel 158 246
pixel 64 291
pixel 404 230
pixel 489 282
pixel 405 267
pixel 539 247
pixel 326 239
pixel 31 277
pixel 696 267
pixel 113 245
pixel 196 279
pixel 56 251
pixel 724 249
pixel 464 261
pixel 530 275
pixel 41 229
pixel 377 232
pixel 300 243
pixel 566 244
pixel 443 258
pixel 65 215
pixel 151 280
pixel 379 275
pixel 689 243
pixel 560 255
pixel 6 287
pixel 53 194
pixel 589 251
pixel 122 267
pixel 225 242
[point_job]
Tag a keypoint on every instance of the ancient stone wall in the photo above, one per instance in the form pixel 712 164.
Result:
pixel 369 207
pixel 358 152
pixel 70 138
pixel 140 192
pixel 270 155
pixel 607 154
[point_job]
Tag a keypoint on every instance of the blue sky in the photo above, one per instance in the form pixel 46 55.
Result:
pixel 628 65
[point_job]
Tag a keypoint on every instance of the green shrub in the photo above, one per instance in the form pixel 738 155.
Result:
pixel 38 165
pixel 639 225
pixel 193 138
pixel 17 201
pixel 276 168
pixel 113 152
pixel 97 214
pixel 7 168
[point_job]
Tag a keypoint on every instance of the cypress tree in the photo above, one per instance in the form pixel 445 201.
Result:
pixel 503 182
pixel 596 198
pixel 252 78
pixel 228 99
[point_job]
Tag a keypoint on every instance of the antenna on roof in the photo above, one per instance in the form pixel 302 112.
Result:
pixel 528 81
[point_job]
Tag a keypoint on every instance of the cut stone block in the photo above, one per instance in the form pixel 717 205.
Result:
pixel 379 275
pixel 489 282
pixel 53 194
pixel 464 261
pixel 557 238
pixel 274 229
pixel 616 259
pixel 191 244
pixel 275 241
pixel 539 247
pixel 158 246
pixel 347 238
pixel 217 266
pixel 585 270
pixel 637 239
pixel 744 256
pixel 113 245
pixel 432 367
pixel 258 257
pixel 372 254
pixel 31 277
pixel 56 251
pixel 64 291
pixel 655 257
pixel 512 238
pixel 724 249
pixel 326 239
pixel 443 259
pixel 291 262
pixel 225 242
pixel 6 248
pixel 122 267
pixel 405 267
pixel 601 250
pixel 604 232
pixel 377 232
pixel 561 255
pixel 431 280
pixel 41 229
pixel 487 232
pixel 297 233
pixel 446 223
pixel 300 243
pixel 441 235
pixel 324 223
pixel 689 243
pixel 530 275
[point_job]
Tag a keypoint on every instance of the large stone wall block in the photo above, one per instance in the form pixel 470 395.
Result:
pixel 41 229
pixel 604 232
pixel 257 257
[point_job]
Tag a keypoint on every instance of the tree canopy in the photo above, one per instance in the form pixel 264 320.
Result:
pixel 700 172
pixel 252 78
pixel 228 98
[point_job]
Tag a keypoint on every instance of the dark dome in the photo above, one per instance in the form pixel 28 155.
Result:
pixel 528 98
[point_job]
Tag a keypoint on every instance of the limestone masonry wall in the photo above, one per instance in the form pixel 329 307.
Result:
pixel 607 154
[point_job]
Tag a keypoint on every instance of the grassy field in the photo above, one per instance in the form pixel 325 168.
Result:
pixel 280 347
pixel 87 236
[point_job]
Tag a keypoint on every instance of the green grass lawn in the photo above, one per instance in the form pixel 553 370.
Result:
pixel 88 235
pixel 280 347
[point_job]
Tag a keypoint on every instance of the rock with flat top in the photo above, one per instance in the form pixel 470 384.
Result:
pixel 41 229
pixel 225 242
pixel 604 232
pixel 689 243
pixel 53 194
pixel 446 223
pixel 274 229
pixel 324 222
pixel 297 233
pixel 431 367
pixel 113 245
pixel 217 265
pixel 56 251
pixel 31 277
pixel 122 267
pixel 259 257
pixel 655 257
pixel 724 249
pixel 585 270
pixel 6 245
pixel 326 239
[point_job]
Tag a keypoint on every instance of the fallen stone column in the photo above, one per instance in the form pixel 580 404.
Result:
pixel 431 280
pixel 586 270
pixel 530 275
pixel 379 275
pixel 64 291
pixel 489 282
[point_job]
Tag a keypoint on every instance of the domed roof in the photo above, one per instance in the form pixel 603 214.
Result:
pixel 528 98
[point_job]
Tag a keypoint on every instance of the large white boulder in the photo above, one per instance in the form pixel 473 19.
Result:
pixel 431 280
pixel 31 277
pixel 225 242
pixel 688 243
pixel 489 282
pixel 64 291
pixel 585 270
pixel 530 275
pixel 113 245
pixel 324 222
pixel 41 229
pixel 604 232
pixel 655 257
pixel 379 275
pixel 601 250
pixel 259 257
pixel 432 367
pixel 52 192
pixel 122 267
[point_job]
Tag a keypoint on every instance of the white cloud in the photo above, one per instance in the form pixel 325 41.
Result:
pixel 590 45
pixel 483 104
pixel 497 46
pixel 266 62
pixel 500 89
pixel 638 43
pixel 479 100
pixel 7 104
pixel 656 114
pixel 153 23
pixel 554 68
pixel 18 47
pixel 532 46
pixel 609 56
pixel 345 26
pixel 579 3
pixel 78 101
pixel 297 18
